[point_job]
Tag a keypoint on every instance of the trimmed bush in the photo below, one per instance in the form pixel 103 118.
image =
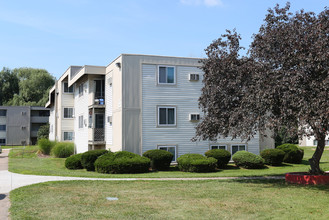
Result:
pixel 45 145
pixel 248 160
pixel 122 162
pixel 63 149
pixel 88 158
pixel 273 157
pixel 73 162
pixel 160 159
pixel 222 156
pixel 293 154
pixel 196 163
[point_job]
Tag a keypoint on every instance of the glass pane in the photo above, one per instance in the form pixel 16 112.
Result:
pixel 66 87
pixel 171 116
pixel 3 112
pixel 162 116
pixel 214 147
pixel 242 147
pixel 235 148
pixel 99 121
pixel 173 151
pixel 162 75
pixel 222 147
pixel 170 74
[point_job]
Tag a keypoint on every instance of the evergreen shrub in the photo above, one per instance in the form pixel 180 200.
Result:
pixel 45 145
pixel 293 154
pixel 222 156
pixel 63 149
pixel 248 160
pixel 273 157
pixel 160 159
pixel 196 163
pixel 88 158
pixel 73 162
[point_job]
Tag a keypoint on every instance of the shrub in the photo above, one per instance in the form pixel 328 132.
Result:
pixel 73 162
pixel 248 160
pixel 122 162
pixel 160 159
pixel 88 158
pixel 293 154
pixel 273 157
pixel 222 156
pixel 196 163
pixel 43 132
pixel 63 149
pixel 45 145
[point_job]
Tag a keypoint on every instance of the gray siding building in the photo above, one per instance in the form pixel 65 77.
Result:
pixel 19 125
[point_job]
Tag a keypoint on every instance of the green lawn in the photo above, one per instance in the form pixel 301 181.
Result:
pixel 252 199
pixel 26 162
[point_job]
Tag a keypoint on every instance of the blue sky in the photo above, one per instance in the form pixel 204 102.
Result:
pixel 56 34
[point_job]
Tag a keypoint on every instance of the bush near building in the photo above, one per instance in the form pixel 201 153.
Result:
pixel 63 149
pixel 248 160
pixel 273 157
pixel 160 159
pixel 88 158
pixel 45 145
pixel 73 162
pixel 196 163
pixel 293 154
pixel 222 156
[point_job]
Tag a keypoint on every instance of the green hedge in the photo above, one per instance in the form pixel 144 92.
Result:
pixel 222 156
pixel 273 157
pixel 248 160
pixel 122 162
pixel 88 158
pixel 45 145
pixel 160 159
pixel 73 162
pixel 196 163
pixel 63 149
pixel 293 154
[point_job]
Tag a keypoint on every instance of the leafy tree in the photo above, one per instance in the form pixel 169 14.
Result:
pixel 8 85
pixel 283 81
pixel 43 132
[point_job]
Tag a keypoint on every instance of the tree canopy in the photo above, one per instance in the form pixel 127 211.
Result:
pixel 282 82
pixel 25 86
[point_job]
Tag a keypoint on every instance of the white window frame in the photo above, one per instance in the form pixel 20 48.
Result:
pixel 80 121
pixel 64 113
pixel 68 132
pixel 245 147
pixel 167 146
pixel 158 116
pixel 68 88
pixel 166 83
pixel 213 145
pixel 197 115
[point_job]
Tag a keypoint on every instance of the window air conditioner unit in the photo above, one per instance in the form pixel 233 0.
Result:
pixel 194 77
pixel 194 117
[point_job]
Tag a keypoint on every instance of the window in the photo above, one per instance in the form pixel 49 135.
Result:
pixel 217 146
pixel 68 112
pixel 2 127
pixel 167 116
pixel 2 141
pixel 166 75
pixel 81 121
pixel 67 89
pixel 193 77
pixel 238 147
pixel 315 142
pixel 81 90
pixel 171 149
pixel 3 112
pixel 68 135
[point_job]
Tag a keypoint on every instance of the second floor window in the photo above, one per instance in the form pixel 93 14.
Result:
pixel 81 121
pixel 68 112
pixel 67 89
pixel 81 90
pixel 166 75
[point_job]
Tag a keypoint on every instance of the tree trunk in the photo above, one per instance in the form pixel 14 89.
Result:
pixel 315 160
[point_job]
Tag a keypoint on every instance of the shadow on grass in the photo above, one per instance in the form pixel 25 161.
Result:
pixel 281 183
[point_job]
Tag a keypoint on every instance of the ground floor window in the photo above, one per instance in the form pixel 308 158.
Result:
pixel 171 149
pixel 2 141
pixel 238 147
pixel 218 146
pixel 68 136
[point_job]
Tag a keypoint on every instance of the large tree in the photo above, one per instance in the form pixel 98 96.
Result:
pixel 284 80
pixel 8 85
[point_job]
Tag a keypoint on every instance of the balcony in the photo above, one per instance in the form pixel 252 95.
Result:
pixel 40 119
pixel 97 136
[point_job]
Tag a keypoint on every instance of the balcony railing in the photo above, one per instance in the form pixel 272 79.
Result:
pixel 98 134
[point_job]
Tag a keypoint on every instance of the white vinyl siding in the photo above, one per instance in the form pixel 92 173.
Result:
pixel 108 109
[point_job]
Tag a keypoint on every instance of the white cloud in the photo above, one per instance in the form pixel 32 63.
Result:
pixel 209 3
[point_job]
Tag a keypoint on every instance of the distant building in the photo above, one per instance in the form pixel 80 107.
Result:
pixel 19 125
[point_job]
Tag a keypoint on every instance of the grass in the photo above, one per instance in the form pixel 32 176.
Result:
pixel 252 199
pixel 26 162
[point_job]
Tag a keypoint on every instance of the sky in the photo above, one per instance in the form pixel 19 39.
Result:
pixel 56 34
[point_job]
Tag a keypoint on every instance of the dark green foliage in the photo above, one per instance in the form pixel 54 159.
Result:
pixel 273 157
pixel 222 156
pixel 43 132
pixel 63 149
pixel 248 160
pixel 160 159
pixel 196 163
pixel 88 158
pixel 282 136
pixel 45 145
pixel 293 154
pixel 73 162
pixel 8 85
pixel 122 162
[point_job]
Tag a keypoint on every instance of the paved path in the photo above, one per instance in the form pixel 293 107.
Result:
pixel 10 181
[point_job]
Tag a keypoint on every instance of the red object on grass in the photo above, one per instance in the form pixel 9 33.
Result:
pixel 307 179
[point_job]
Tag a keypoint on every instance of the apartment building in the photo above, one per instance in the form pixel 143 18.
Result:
pixel 136 103
pixel 19 125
